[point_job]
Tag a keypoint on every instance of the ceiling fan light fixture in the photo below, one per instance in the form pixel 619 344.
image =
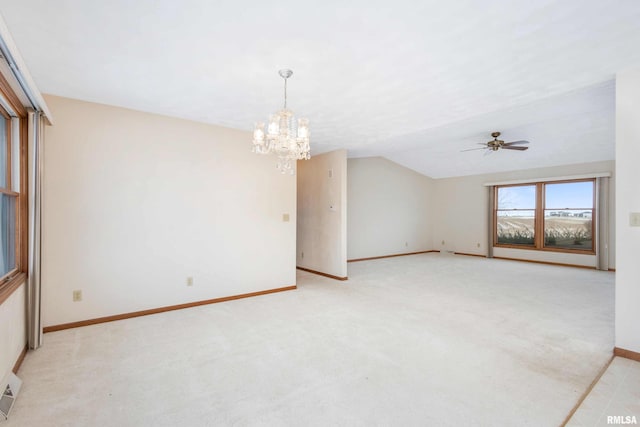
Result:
pixel 497 144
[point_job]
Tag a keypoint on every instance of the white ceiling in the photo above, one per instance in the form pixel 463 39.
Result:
pixel 415 81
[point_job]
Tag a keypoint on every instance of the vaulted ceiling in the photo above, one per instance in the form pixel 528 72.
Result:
pixel 414 81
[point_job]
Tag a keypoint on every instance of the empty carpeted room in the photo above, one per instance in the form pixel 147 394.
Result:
pixel 334 213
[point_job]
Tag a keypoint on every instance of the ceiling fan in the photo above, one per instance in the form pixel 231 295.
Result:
pixel 497 144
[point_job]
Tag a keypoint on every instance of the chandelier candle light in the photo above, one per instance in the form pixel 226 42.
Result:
pixel 283 137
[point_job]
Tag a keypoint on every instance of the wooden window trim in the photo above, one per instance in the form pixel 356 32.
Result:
pixel 11 281
pixel 539 222
pixel 12 98
pixel 8 149
pixel 539 219
pixel 9 192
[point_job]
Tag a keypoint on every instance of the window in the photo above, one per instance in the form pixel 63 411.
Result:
pixel 568 215
pixel 554 216
pixel 13 197
pixel 516 215
pixel 8 201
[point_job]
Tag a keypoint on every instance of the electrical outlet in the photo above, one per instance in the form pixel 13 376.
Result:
pixel 443 242
pixel 478 244
pixel 406 244
pixel 302 255
pixel 77 295
pixel 189 281
pixel 634 219
pixel 285 217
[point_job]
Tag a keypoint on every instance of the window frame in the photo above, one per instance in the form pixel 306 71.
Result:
pixel 18 275
pixel 539 219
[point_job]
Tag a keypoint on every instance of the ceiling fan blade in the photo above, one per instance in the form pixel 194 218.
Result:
pixel 516 143
pixel 506 147
pixel 473 149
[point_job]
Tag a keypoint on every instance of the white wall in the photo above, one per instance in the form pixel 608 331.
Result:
pixel 627 201
pixel 390 209
pixel 13 330
pixel 134 203
pixel 461 214
pixel 322 213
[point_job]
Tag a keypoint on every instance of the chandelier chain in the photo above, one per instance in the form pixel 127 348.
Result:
pixel 285 93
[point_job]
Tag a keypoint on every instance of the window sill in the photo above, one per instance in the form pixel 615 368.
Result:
pixel 561 250
pixel 7 288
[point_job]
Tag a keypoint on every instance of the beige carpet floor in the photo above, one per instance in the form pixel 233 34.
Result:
pixel 422 340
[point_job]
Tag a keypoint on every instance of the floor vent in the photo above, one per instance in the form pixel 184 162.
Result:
pixel 9 395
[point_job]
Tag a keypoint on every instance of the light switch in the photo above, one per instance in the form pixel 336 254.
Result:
pixel 285 217
pixel 634 219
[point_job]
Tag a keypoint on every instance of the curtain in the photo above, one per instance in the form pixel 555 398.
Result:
pixel 35 138
pixel 602 223
pixel 492 195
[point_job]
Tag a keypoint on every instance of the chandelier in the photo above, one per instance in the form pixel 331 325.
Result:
pixel 283 137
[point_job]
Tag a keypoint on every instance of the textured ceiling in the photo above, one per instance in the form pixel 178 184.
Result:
pixel 415 81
